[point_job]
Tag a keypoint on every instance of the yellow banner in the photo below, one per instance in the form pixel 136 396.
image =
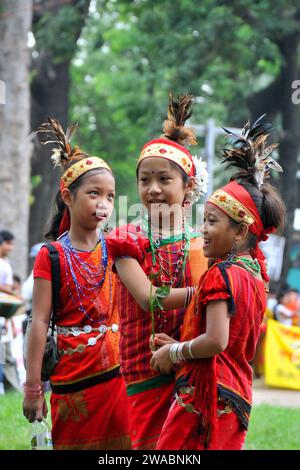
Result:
pixel 282 355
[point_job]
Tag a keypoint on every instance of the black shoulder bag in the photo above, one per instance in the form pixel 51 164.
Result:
pixel 51 355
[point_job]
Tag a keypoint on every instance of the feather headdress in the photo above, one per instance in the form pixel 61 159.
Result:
pixel 172 145
pixel 53 133
pixel 249 152
pixel 179 111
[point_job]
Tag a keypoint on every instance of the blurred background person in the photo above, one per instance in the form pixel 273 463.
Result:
pixel 27 286
pixel 10 377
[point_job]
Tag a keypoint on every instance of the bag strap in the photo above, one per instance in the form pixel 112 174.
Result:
pixel 55 270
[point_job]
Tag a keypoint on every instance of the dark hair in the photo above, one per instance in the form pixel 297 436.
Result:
pixel 60 206
pixel 281 294
pixel 7 236
pixel 17 278
pixel 270 206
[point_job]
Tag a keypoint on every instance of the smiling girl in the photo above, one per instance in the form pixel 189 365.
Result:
pixel 221 327
pixel 88 400
pixel 161 247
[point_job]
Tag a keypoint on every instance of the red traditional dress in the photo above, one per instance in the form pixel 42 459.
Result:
pixel 214 395
pixel 149 392
pixel 88 400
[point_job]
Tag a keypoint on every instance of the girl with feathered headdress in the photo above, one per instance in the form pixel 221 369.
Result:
pixel 162 247
pixel 88 400
pixel 221 327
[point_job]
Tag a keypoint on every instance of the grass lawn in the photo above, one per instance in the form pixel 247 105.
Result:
pixel 271 427
pixel 15 430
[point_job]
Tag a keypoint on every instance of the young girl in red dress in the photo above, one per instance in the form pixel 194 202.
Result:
pixel 221 327
pixel 88 400
pixel 161 247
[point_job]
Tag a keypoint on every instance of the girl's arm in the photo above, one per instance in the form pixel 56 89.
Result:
pixel 135 280
pixel 41 312
pixel 209 344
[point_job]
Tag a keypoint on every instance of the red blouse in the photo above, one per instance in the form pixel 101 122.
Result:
pixel 100 309
pixel 232 366
pixel 135 323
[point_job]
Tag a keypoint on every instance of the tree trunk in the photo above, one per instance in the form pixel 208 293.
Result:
pixel 277 99
pixel 15 23
pixel 289 145
pixel 50 97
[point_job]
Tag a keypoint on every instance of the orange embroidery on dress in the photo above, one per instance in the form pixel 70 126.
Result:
pixel 72 406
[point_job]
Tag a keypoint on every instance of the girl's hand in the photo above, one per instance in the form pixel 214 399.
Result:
pixel 35 409
pixel 160 339
pixel 161 361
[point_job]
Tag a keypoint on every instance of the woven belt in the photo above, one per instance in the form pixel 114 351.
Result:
pixel 76 331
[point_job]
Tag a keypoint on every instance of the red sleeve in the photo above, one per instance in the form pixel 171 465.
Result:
pixel 42 265
pixel 124 242
pixel 213 286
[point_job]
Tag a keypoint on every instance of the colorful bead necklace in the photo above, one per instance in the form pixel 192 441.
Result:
pixel 93 275
pixel 249 264
pixel 169 275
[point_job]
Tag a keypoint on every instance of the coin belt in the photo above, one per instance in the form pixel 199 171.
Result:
pixel 77 331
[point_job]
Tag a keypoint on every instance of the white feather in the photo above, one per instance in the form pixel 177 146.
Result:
pixel 201 180
pixel 56 157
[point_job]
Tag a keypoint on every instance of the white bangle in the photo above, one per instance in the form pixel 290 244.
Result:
pixel 173 352
pixel 180 355
pixel 190 348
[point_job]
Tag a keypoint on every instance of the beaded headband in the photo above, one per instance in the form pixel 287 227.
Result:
pixel 81 167
pixel 171 151
pixel 231 206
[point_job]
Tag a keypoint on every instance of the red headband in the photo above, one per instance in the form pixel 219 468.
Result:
pixel 240 207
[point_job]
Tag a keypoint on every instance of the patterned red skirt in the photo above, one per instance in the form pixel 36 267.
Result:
pixel 176 434
pixel 92 419
pixel 148 411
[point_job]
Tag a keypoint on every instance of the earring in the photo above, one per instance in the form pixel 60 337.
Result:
pixel 187 211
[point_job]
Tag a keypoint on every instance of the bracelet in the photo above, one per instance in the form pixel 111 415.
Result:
pixel 173 352
pixel 190 348
pixel 176 352
pixel 190 291
pixel 187 297
pixel 180 356
pixel 33 392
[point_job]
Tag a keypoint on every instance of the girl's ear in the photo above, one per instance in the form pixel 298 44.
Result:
pixel 242 231
pixel 67 197
pixel 191 183
pixel 189 190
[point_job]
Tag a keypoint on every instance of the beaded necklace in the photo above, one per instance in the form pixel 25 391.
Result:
pixel 249 264
pixel 93 275
pixel 169 275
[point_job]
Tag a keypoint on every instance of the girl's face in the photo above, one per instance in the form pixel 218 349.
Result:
pixel 93 203
pixel 219 236
pixel 160 186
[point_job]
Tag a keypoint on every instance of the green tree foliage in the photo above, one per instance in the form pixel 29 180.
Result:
pixel 132 53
